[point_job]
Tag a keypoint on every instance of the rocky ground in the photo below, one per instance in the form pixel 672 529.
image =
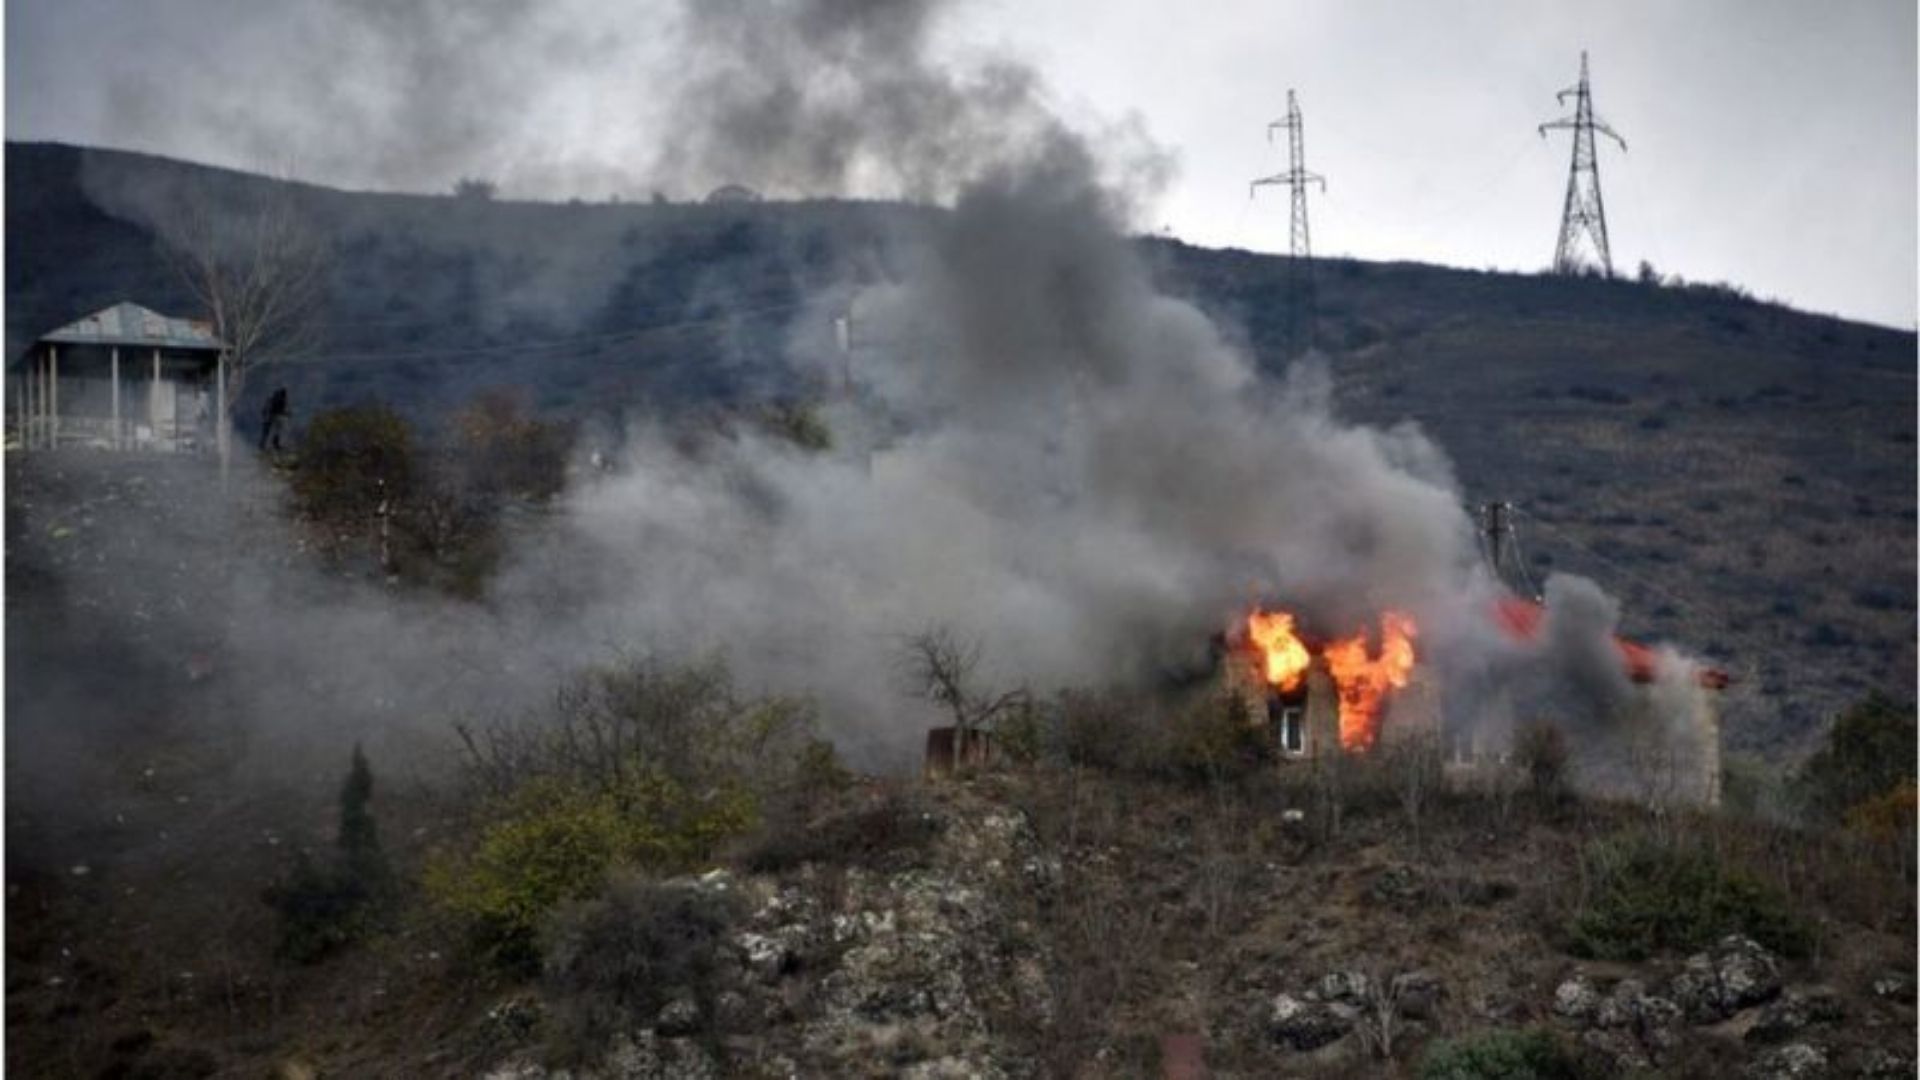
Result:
pixel 1006 949
pixel 1005 926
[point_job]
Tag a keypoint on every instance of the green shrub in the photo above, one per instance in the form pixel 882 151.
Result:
pixel 432 512
pixel 352 462
pixel 556 841
pixel 1647 895
pixel 638 765
pixel 1218 736
pixel 612 962
pixel 1869 752
pixel 1020 735
pixel 1503 1055
pixel 321 911
pixel 799 423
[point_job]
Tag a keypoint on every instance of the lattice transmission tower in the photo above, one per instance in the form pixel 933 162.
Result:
pixel 1584 215
pixel 1300 298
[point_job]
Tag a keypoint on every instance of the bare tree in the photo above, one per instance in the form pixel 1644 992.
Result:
pixel 944 669
pixel 258 269
pixel 251 256
pixel 1417 767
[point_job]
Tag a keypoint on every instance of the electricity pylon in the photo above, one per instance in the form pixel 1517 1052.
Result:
pixel 1300 299
pixel 1584 213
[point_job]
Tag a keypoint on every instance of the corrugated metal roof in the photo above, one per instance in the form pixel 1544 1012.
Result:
pixel 130 324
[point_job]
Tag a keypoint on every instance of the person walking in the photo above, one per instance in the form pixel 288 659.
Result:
pixel 274 419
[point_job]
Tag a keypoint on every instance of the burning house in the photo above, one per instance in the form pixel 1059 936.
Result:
pixel 1332 694
pixel 1371 689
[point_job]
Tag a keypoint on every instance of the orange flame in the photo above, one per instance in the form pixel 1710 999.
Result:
pixel 1365 680
pixel 1286 655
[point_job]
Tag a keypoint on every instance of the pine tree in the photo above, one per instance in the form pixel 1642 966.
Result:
pixel 362 863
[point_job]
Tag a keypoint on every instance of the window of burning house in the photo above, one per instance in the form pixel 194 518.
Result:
pixel 1293 735
pixel 1289 716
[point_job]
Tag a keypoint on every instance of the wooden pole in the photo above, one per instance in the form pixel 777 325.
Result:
pixel 153 401
pixel 220 414
pixel 53 412
pixel 117 441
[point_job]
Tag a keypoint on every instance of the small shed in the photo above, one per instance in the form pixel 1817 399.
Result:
pixel 123 378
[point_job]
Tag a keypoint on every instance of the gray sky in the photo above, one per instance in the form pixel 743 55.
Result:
pixel 1772 144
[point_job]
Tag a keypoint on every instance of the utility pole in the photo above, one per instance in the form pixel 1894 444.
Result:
pixel 1500 547
pixel 1583 213
pixel 1300 298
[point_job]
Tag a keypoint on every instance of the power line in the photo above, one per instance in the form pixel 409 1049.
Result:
pixel 1583 213
pixel 402 356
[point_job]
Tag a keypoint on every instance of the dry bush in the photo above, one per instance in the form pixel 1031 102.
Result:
pixel 500 450
pixel 1097 935
pixel 1106 729
pixel 1215 739
pixel 891 828
pixel 1540 753
pixel 682 719
pixel 1210 740
pixel 1344 786
pixel 611 963
pixel 1414 764
pixel 1839 874
pixel 1378 1024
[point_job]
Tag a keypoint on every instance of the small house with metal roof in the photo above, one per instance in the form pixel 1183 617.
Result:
pixel 122 378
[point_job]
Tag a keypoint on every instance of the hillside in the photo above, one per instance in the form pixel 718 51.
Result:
pixel 1110 899
pixel 1740 473
pixel 1113 896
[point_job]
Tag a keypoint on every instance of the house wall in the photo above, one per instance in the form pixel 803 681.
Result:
pixel 174 412
pixel 1664 749
pixel 1413 711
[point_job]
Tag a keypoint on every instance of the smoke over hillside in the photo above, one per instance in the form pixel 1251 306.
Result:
pixel 1037 448
pixel 1075 469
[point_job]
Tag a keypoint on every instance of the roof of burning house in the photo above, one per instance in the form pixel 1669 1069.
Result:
pixel 130 324
pixel 1521 619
